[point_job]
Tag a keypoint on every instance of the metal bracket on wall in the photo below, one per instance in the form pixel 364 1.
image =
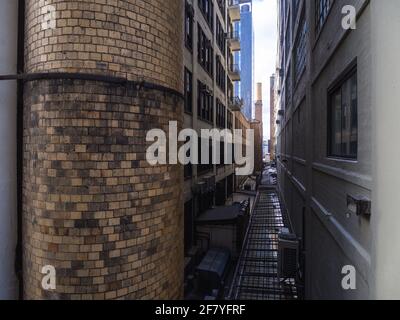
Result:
pixel 359 205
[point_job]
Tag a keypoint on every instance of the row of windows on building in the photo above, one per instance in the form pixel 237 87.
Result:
pixel 299 59
pixel 205 168
pixel 205 52
pixel 205 49
pixel 342 104
pixel 206 7
pixel 205 103
pixel 322 9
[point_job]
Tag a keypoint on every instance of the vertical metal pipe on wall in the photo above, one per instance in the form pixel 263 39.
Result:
pixel 8 149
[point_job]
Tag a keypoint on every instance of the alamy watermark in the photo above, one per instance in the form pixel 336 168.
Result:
pixel 350 278
pixel 349 20
pixel 49 279
pixel 234 143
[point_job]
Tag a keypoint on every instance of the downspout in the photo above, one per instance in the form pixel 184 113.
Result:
pixel 20 131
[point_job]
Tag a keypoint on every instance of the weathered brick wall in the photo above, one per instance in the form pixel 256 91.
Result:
pixel 110 224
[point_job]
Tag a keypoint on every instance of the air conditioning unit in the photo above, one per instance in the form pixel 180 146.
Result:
pixel 288 255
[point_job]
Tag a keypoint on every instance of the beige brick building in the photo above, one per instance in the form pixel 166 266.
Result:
pixel 209 76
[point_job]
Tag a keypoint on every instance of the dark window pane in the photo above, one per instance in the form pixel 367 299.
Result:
pixel 343 135
pixel 336 133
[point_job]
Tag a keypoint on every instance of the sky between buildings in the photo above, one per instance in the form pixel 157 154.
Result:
pixel 265 33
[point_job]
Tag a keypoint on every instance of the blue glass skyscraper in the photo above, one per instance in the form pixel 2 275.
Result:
pixel 246 58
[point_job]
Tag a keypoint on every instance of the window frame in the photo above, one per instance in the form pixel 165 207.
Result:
pixel 346 76
pixel 205 103
pixel 207 9
pixel 189 15
pixel 205 55
pixel 300 51
pixel 321 18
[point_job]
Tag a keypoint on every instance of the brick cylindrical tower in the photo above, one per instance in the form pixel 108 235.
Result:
pixel 110 224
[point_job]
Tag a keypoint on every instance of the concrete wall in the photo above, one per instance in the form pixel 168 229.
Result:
pixel 385 92
pixel 8 148
pixel 349 240
pixel 308 178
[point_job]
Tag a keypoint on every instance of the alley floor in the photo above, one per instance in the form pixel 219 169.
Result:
pixel 256 276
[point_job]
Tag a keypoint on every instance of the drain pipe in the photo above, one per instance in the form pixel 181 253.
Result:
pixel 8 149
pixel 20 145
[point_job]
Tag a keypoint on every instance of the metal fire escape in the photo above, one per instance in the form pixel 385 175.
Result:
pixel 256 276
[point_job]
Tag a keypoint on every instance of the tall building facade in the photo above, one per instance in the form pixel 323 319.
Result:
pixel 247 57
pixel 211 73
pixel 272 118
pixel 328 169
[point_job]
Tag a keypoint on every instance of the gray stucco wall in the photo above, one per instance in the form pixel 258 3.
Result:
pixel 8 149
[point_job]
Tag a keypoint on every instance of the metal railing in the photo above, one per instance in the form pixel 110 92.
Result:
pixel 235 103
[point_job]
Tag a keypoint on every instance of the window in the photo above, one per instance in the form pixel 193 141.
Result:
pixel 188 91
pixel 220 36
pixel 189 226
pixel 205 103
pixel 300 50
pixel 288 88
pixel 221 111
pixel 188 168
pixel 322 8
pixel 189 14
pixel 230 120
pixel 296 7
pixel 221 153
pixel 205 52
pixel 220 74
pixel 205 167
pixel 222 6
pixel 343 119
pixel 288 41
pixel 188 171
pixel 230 184
pixel 207 9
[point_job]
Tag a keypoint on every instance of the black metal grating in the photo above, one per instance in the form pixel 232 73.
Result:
pixel 256 277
